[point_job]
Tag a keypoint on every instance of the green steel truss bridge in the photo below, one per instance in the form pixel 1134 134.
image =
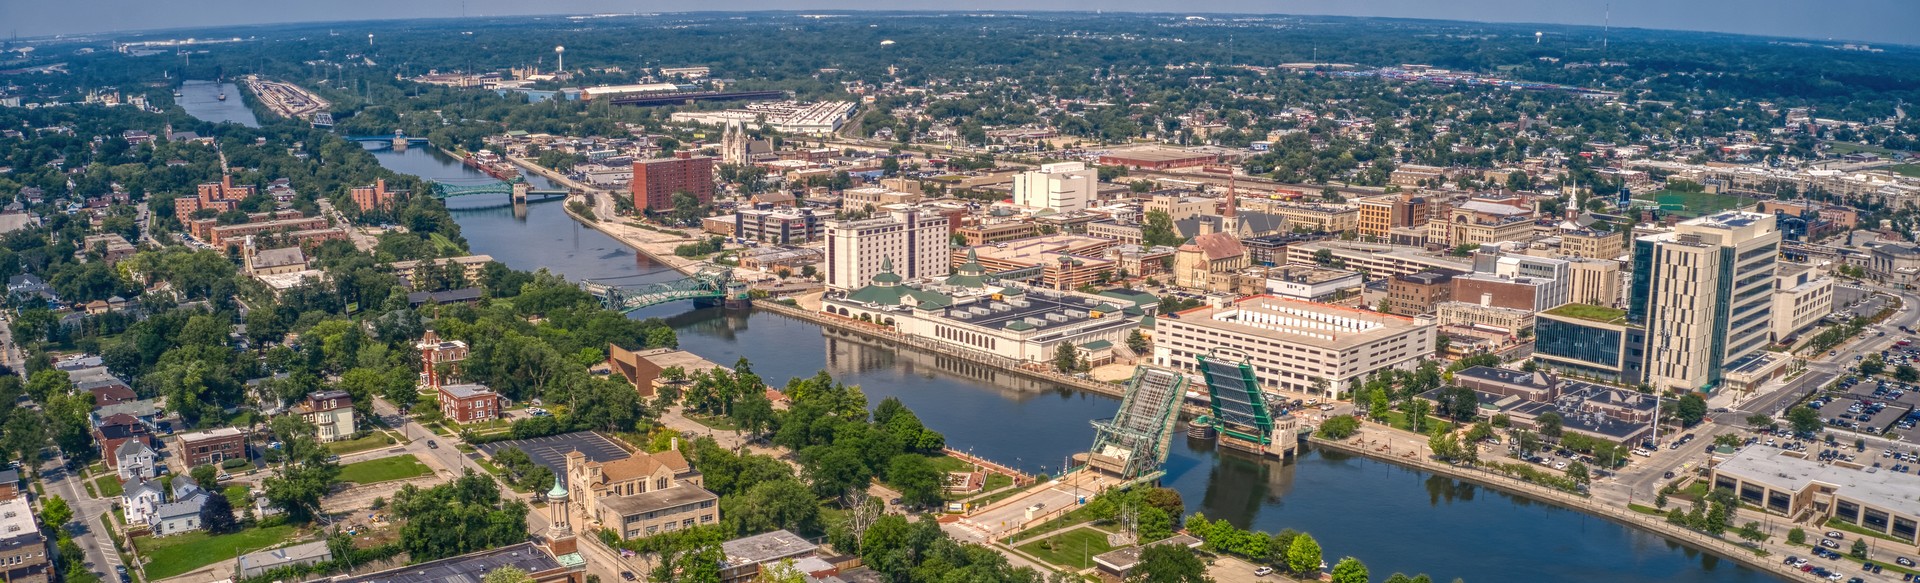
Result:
pixel 517 188
pixel 710 285
pixel 1133 444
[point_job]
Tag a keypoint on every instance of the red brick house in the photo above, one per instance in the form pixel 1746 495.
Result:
pixel 469 403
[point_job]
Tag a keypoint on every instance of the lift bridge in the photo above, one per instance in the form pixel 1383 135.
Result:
pixel 709 286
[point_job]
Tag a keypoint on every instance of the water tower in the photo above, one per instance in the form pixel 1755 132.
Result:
pixel 560 58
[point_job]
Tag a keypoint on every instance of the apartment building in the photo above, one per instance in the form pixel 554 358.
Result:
pixel 1294 345
pixel 656 181
pixel 1703 291
pixel 914 244
pixel 211 446
pixel 996 232
pixel 372 197
pixel 1589 244
pixel 418 272
pixel 469 403
pixel 23 549
pixel 780 226
pixel 1317 217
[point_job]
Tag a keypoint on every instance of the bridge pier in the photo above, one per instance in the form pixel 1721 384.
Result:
pixel 737 296
pixel 520 190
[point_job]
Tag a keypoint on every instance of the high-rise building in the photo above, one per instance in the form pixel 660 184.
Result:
pixel 1553 277
pixel 656 181
pixel 372 197
pixel 1381 214
pixel 1703 291
pixel 913 243
pixel 1061 186
pixel 1294 345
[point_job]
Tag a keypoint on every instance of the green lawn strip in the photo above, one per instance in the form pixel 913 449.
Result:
pixel 716 423
pixel 1398 420
pixel 238 495
pixel 1906 169
pixel 1076 516
pixel 1645 509
pixel 170 556
pixel 1074 548
pixel 997 481
pixel 373 440
pixel 107 486
pixel 383 469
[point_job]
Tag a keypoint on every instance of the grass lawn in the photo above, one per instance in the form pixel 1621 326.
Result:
pixel 1850 527
pixel 1398 420
pixel 1074 548
pixel 237 495
pixel 371 441
pixel 714 422
pixel 997 481
pixel 1906 169
pixel 1645 509
pixel 170 556
pixel 107 486
pixel 383 469
pixel 1855 148
pixel 1696 203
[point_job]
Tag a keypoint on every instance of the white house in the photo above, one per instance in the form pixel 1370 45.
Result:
pixel 134 460
pixel 183 513
pixel 139 499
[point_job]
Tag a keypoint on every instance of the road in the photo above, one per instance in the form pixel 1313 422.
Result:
pixel 89 533
pixel 362 241
pixel 1829 367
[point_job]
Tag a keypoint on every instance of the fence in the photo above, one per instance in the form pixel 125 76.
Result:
pixel 1019 478
pixel 1655 524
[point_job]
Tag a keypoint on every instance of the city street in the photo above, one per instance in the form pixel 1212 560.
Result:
pixel 87 510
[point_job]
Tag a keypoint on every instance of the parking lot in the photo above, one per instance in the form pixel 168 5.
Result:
pixel 551 451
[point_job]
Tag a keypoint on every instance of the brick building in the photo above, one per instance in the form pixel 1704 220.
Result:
pixel 218 197
pixel 469 403
pixel 656 181
pixel 434 352
pixel 1417 293
pixel 373 197
pixel 211 446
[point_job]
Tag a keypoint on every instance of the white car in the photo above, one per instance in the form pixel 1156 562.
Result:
pixel 1263 571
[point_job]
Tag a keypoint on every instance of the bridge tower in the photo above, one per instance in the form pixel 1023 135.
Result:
pixel 520 190
pixel 737 296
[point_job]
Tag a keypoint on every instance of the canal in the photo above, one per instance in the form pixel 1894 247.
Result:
pixel 1393 519
pixel 201 99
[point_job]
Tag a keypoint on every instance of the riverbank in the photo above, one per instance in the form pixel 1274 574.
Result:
pixel 1413 455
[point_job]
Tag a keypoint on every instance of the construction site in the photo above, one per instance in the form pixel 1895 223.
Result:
pixel 287 99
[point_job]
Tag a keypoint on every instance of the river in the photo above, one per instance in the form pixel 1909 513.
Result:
pixel 201 99
pixel 1391 518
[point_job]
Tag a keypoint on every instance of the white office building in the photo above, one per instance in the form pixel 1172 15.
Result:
pixel 1704 293
pixel 1557 273
pixel 913 243
pixel 1063 187
pixel 1801 297
pixel 1295 345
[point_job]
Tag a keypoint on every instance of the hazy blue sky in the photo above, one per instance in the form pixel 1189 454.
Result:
pixel 1895 21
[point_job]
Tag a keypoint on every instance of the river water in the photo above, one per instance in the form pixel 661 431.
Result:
pixel 1391 518
pixel 201 99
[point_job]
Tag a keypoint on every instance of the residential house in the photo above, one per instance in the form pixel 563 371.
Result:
pixel 183 513
pixel 116 429
pixel 469 403
pixel 134 460
pixel 139 498
pixel 23 549
pixel 331 413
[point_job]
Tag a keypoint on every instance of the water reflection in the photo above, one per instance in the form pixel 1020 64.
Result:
pixel 201 99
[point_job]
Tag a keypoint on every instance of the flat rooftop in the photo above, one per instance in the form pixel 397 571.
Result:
pixel 1323 325
pixel 1590 312
pixel 1156 154
pixel 1037 250
pixel 1035 310
pixel 468 568
pixel 761 548
pixel 1776 469
pixel 652 500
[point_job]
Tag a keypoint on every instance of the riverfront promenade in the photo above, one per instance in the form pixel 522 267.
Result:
pixel 1410 450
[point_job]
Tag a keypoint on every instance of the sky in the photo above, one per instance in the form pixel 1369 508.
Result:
pixel 1881 21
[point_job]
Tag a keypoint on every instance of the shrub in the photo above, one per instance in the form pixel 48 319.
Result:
pixel 1340 427
pixel 234 464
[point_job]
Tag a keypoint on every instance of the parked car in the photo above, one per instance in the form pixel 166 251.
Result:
pixel 1263 571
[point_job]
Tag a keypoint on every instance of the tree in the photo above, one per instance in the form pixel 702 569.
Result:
pixel 1578 471
pixel 1859 550
pixel 1872 365
pixel 217 514
pixel 1690 409
pixel 506 575
pixel 916 478
pixel 1906 373
pixel 1349 570
pixel 1797 536
pixel 1137 342
pixel 772 505
pixel 1158 231
pixel 55 513
pixel 1303 556
pixel 1550 424
pixel 207 476
pixel 1169 564
pixel 1761 422
pixel 1066 358
pixel 1339 427
pixel 1805 421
